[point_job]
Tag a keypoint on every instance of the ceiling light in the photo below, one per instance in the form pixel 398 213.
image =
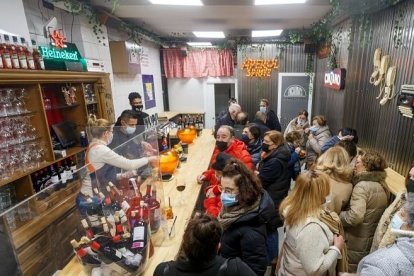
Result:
pixel 199 44
pixel 278 2
pixel 209 34
pixel 266 33
pixel 177 2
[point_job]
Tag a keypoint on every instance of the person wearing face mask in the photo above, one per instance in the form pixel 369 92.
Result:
pixel 102 162
pixel 273 169
pixel 212 203
pixel 398 257
pixel 272 121
pixel 137 107
pixel 299 123
pixel 253 140
pixel 227 143
pixel 318 134
pixel 309 247
pixel 125 129
pixel 247 217
pixel 369 199
pixel 394 216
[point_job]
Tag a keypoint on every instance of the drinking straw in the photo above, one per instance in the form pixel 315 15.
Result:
pixel 172 227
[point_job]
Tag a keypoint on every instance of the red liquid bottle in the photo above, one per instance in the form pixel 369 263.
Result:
pixel 139 232
pixel 5 53
pixel 88 230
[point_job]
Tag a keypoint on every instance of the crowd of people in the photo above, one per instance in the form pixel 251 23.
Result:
pixel 329 197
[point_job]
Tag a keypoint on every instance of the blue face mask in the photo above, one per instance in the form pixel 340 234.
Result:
pixel 130 130
pixel 228 200
pixel 244 138
pixel 313 129
pixel 396 222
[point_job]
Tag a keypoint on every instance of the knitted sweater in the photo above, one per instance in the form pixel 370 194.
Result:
pixel 308 250
pixel 395 260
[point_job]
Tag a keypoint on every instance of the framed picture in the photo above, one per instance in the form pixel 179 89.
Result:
pixel 149 92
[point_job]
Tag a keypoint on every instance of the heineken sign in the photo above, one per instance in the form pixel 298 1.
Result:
pixel 60 54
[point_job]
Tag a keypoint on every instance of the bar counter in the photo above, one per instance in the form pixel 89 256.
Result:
pixel 198 158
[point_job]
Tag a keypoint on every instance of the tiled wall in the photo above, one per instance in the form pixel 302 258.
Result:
pixel 78 30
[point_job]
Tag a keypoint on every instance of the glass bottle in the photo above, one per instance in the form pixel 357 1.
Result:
pixel 14 55
pixel 6 56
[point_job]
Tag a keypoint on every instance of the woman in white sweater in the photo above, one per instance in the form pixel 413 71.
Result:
pixel 309 247
pixel 102 162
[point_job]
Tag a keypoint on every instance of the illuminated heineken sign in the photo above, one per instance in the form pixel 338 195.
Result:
pixel 59 54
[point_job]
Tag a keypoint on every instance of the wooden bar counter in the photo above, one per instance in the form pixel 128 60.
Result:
pixel 198 158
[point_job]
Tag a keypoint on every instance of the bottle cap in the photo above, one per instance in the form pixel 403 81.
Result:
pixel 82 252
pixel 84 223
pixel 108 189
pixel 74 243
pixel 117 238
pixel 110 184
pixel 95 246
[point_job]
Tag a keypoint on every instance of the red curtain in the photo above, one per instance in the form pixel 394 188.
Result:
pixel 198 63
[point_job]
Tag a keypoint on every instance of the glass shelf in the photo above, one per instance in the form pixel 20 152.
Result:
pixel 59 107
pixel 29 113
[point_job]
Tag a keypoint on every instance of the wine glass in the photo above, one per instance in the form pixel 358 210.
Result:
pixel 180 185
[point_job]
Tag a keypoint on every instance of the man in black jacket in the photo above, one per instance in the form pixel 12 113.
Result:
pixel 272 121
pixel 135 101
pixel 229 118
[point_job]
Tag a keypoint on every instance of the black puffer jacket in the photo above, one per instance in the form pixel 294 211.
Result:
pixel 275 176
pixel 246 237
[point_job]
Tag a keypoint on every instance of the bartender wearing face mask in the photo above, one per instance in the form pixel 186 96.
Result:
pixel 227 143
pixel 135 101
pixel 124 130
pixel 102 162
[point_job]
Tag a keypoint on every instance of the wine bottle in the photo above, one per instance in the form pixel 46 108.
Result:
pixel 139 232
pixel 73 167
pixel 88 230
pixel 104 225
pixel 36 182
pixel 21 54
pixel 62 174
pixel 108 253
pixel 82 253
pixel 54 178
pixel 13 53
pixel 119 229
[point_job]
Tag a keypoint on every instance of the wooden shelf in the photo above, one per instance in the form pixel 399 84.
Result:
pixel 14 177
pixel 39 223
pixel 59 107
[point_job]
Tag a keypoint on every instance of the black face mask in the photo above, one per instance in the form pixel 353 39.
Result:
pixel 138 108
pixel 221 145
pixel 265 147
pixel 410 186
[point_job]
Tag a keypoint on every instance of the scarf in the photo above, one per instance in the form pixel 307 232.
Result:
pixel 229 215
pixel 334 224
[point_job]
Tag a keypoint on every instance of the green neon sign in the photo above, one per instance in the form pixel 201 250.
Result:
pixel 66 54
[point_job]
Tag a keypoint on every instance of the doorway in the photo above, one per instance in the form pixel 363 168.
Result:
pixel 223 92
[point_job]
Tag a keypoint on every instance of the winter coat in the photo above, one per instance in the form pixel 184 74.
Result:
pixel 275 175
pixel 294 162
pixel 308 250
pixel 395 260
pixel 246 237
pixel 383 236
pixel 330 143
pixel 314 144
pixel 301 129
pixel 224 121
pixel 272 121
pixel 341 194
pixel 255 148
pixel 238 150
pixel 368 202
pixel 262 126
pixel 217 267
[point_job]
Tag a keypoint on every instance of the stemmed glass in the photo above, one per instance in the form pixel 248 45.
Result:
pixel 180 185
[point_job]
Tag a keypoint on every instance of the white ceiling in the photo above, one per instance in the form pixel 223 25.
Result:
pixel 235 17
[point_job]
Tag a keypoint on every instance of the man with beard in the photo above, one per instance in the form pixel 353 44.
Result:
pixel 135 101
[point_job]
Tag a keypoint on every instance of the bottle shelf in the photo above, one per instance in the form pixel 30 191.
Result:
pixel 18 175
pixel 30 113
pixel 60 107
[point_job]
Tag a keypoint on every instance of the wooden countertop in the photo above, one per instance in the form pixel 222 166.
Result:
pixel 199 154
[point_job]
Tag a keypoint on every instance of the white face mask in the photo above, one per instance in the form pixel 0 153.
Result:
pixel 263 109
pixel 300 122
pixel 397 222
pixel 130 130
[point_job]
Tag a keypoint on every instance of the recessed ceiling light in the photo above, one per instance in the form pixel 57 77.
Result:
pixel 199 44
pixel 177 2
pixel 278 2
pixel 209 34
pixel 266 33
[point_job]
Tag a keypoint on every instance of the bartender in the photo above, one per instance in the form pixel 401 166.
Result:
pixel 135 101
pixel 102 162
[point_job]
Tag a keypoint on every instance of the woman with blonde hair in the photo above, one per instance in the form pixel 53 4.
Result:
pixel 309 247
pixel 102 162
pixel 369 199
pixel 335 163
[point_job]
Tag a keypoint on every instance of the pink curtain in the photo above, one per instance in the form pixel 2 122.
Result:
pixel 198 63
